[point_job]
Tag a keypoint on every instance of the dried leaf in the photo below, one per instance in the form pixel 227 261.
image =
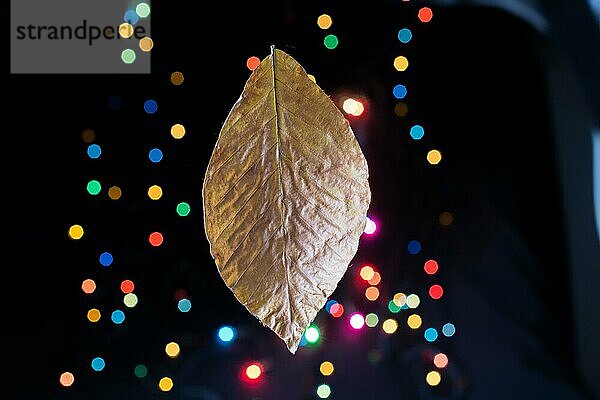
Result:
pixel 285 197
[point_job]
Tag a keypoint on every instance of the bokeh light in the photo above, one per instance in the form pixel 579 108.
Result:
pixel 324 21
pixel 425 14
pixel 177 78
pixel 413 301
pixel 371 320
pixel 414 321
pixel 404 35
pixel 146 44
pixel 399 299
pixel 140 371
pixel 131 17
pixel 127 286
pixel 150 106
pixel 393 307
pixel 88 135
pixel 434 157
pixel 66 379
pixel 401 63
pixel 130 300
pixel 253 371
pixel 155 239
pixel 88 286
pixel 414 247
pixel 252 63
pixel 184 305
pixel 155 155
pixel 430 267
pixel 440 360
pixel 329 304
pixel 436 292
pixel 357 321
pixel 126 30
pixel 226 334
pixel 106 259
pixel 401 109
pixel 367 272
pixel 183 209
pixel 433 378
pixel 312 334
pixel 370 227
pixel 323 391
pixel 143 10
pixel 155 192
pixel 417 132
pixel 376 279
pixel 337 310
pixel 94 151
pixel 117 317
pixel 128 56
pixel 353 107
pixel 178 131
pixel 165 384
pixel 448 329
pixel 75 232
pixel 446 218
pixel 98 364
pixel 331 42
pixel 172 349
pixel 93 187
pixel 312 78
pixel 430 334
pixel 372 293
pixel 399 91
pixel 326 368
pixel 390 326
pixel 115 193
pixel 93 315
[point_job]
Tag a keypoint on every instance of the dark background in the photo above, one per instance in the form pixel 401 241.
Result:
pixel 478 91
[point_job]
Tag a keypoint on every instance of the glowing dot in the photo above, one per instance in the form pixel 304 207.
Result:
pixel 66 379
pixel 117 317
pixel 399 91
pixel 143 10
pixel 312 78
pixel 88 286
pixel 390 326
pixel 94 151
pixel 430 267
pixel 351 106
pixel 323 391
pixel 324 21
pixel 177 78
pixel 446 218
pixel 326 368
pixel 357 321
pixel 448 329
pixel 393 307
pixel 417 132
pixel 414 321
pixel 436 292
pixel 88 135
pixel 430 334
pixel 183 209
pixel 400 63
pixel 155 239
pixel 106 259
pixel 414 247
pixel 178 131
pixel 127 286
pixel 150 106
pixel 252 63
pixel 131 17
pixel 425 14
pixel 367 272
pixel 372 293
pixel 184 305
pixel 93 315
pixel 440 360
pixel 146 44
pixel 399 299
pixel 329 304
pixel 370 226
pixel 331 42
pixel 128 56
pixel 155 192
pixel 98 364
pixel 413 301
pixel 375 279
pixel 165 384
pixel 155 155
pixel 125 30
pixel 94 187
pixel 433 378
pixel 76 232
pixel 140 371
pixel 114 192
pixel 404 35
pixel 434 157
pixel 312 334
pixel 253 371
pixel 172 349
pixel 401 109
pixel 130 300
pixel 226 334
pixel 371 320
pixel 337 310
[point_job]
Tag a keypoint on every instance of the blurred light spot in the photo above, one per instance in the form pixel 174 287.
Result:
pixel 177 131
pixel 400 63
pixel 404 35
pixel 393 307
pixel 130 300
pixel 155 192
pixel 326 368
pixel 353 107
pixel 253 371
pixel 226 334
pixel 434 157
pixel 331 42
pixel 401 109
pixel 155 155
pixel 125 30
pixel 374 356
pixel 448 329
pixel 413 301
pixel 98 364
pixel 370 226
pixel 425 14
pixel 146 44
pixel 312 78
pixel 324 21
pixel 184 305
pixel 88 135
pixel 329 304
pixel 143 10
pixel 140 371
pixel 399 299
pixel 252 63
pixel 430 267
pixel 400 91
pixel 94 151
pixel 150 106
pixel 177 78
pixel 390 326
pixel 127 286
pixel 106 259
pixel 312 334
pixel 414 321
pixel 376 279
pixel 172 349
pixel 323 391
pixel 414 247
pixel 357 321
pixel 131 17
pixel 66 379
pixel 367 272
pixel 165 384
pixel 76 232
pixel 128 56
pixel 93 187
pixel 88 286
pixel 117 317
pixel 440 360
pixel 183 209
pixel 371 320
pixel 446 218
pixel 430 334
pixel 114 192
pixel 433 378
pixel 93 315
pixel 372 293
pixel 436 292
pixel 337 310
pixel 180 294
pixel 155 239
pixel 417 132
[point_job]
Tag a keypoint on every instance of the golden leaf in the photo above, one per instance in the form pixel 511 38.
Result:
pixel 286 194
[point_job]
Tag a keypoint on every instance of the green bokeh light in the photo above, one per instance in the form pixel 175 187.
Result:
pixel 94 187
pixel 128 56
pixel 143 10
pixel 140 371
pixel 183 209
pixel 331 42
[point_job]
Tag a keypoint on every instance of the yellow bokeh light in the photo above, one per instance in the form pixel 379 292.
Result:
pixel 312 78
pixel 146 44
pixel 434 157
pixel 326 368
pixel 126 30
pixel 165 384
pixel 414 321
pixel 367 272
pixel 115 193
pixel 324 21
pixel 178 131
pixel 76 232
pixel 399 299
pixel 433 378
pixel 253 371
pixel 93 315
pixel 155 192
pixel 172 349
pixel 390 326
pixel 401 63
pixel 177 78
pixel 413 301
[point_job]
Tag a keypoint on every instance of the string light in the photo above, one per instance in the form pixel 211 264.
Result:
pixel 324 21
pixel 370 226
pixel 88 286
pixel 367 272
